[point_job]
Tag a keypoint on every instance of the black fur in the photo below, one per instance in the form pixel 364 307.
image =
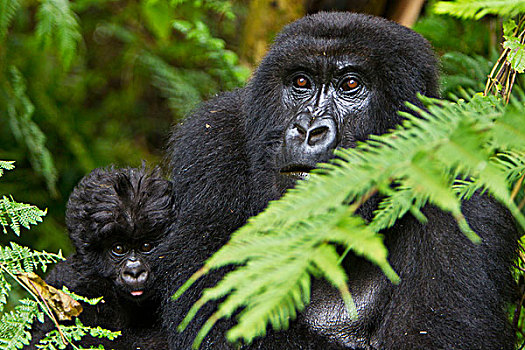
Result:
pixel 129 206
pixel 227 160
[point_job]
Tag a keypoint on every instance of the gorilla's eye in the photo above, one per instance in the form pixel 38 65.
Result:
pixel 301 82
pixel 349 85
pixel 118 249
pixel 146 247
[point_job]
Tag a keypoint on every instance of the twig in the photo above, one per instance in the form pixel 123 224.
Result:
pixel 502 73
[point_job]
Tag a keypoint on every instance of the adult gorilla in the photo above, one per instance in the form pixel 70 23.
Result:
pixel 330 80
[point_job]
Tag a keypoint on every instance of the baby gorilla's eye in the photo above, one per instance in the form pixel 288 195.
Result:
pixel 349 85
pixel 146 247
pixel 302 82
pixel 118 249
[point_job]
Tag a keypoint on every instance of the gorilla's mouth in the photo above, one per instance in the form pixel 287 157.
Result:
pixel 137 293
pixel 296 171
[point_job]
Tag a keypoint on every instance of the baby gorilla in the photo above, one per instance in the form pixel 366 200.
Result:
pixel 116 220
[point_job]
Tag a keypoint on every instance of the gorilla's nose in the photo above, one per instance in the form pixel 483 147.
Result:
pixel 134 273
pixel 311 139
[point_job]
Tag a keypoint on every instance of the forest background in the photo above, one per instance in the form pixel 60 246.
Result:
pixel 90 83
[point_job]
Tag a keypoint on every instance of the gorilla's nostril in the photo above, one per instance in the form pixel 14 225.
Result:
pixel 142 277
pixel 302 131
pixel 318 134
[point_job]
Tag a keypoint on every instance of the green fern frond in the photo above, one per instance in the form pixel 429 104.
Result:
pixel 17 259
pixel 53 340
pixel 8 10
pixel 90 301
pixel 20 110
pixel 399 201
pixel 6 165
pixel 15 325
pixel 5 288
pixel 476 9
pixel 57 24
pixel 222 7
pixel 285 262
pixel 465 71
pixel 175 84
pixel 14 215
pixel 444 146
pixel 513 163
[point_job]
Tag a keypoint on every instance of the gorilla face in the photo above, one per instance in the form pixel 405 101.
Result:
pixel 335 84
pixel 130 265
pixel 319 104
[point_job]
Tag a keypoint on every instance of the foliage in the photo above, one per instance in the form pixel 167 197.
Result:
pixel 463 72
pixel 14 325
pixel 58 24
pixel 470 37
pixel 477 9
pixel 14 214
pixel 514 36
pixel 20 110
pixel 55 339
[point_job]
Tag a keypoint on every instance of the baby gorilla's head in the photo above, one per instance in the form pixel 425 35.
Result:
pixel 116 220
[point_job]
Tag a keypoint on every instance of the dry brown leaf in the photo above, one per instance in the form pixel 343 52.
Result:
pixel 62 304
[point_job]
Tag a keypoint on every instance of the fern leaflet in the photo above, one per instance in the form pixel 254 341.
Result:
pixel 14 215
pixel 14 325
pixel 17 259
pixel 468 9
pixel 8 10
pixel 58 24
pixel 53 340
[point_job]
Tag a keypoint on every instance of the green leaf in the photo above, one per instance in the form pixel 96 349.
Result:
pixel 20 111
pixel 13 214
pixel 159 16
pixel 8 9
pixel 15 325
pixel 516 55
pixel 57 24
pixel 476 9
pixel 6 165
pixel 509 26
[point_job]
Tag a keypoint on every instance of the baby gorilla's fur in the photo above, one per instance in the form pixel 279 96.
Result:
pixel 116 219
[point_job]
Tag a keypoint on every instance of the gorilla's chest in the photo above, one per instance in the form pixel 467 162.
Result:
pixel 327 315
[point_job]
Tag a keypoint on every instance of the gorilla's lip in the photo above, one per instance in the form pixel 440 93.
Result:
pixel 297 171
pixel 137 293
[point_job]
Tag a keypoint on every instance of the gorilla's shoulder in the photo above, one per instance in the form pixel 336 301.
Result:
pixel 213 134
